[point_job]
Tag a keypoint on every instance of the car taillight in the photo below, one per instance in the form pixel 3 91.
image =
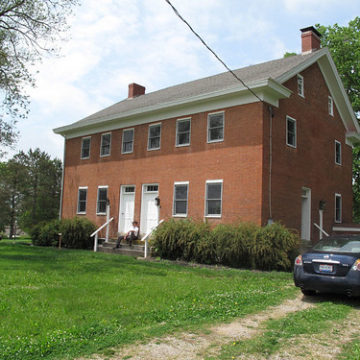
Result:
pixel 298 261
pixel 356 265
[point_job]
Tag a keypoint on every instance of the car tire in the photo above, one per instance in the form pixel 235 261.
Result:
pixel 308 292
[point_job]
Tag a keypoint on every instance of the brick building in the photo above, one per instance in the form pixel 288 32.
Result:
pixel 210 149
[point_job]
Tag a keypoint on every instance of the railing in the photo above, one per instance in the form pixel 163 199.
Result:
pixel 96 233
pixel 321 229
pixel 146 237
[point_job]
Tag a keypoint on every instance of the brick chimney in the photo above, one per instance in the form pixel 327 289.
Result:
pixel 310 40
pixel 135 90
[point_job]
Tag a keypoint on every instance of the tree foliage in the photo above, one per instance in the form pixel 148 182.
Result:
pixel 28 30
pixel 29 190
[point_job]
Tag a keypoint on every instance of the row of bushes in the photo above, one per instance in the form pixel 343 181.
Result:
pixel 75 233
pixel 245 245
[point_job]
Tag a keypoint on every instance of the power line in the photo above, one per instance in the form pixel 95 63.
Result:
pixel 211 50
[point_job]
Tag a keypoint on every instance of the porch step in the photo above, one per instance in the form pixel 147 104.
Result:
pixel 125 249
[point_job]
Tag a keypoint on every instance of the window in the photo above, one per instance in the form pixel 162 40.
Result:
pixel 337 152
pixel 127 141
pixel 183 132
pixel 216 127
pixel 154 137
pixel 82 195
pixel 291 131
pixel 338 208
pixel 180 199
pixel 331 106
pixel 300 85
pixel 105 144
pixel 101 200
pixel 213 198
pixel 85 147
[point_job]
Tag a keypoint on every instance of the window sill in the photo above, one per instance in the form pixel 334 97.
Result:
pixel 180 216
pixel 213 216
pixel 214 141
pixel 81 213
pixel 101 214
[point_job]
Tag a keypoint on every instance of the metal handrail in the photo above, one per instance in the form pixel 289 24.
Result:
pixel 96 233
pixel 322 230
pixel 147 235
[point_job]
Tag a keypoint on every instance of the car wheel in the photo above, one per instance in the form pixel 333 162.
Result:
pixel 308 292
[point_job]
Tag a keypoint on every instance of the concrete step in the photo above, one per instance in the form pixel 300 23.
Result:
pixel 135 250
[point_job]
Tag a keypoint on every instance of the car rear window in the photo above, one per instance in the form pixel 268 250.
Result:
pixel 339 244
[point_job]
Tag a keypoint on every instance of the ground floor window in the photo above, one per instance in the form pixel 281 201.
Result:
pixel 82 196
pixel 213 198
pixel 102 200
pixel 338 208
pixel 180 199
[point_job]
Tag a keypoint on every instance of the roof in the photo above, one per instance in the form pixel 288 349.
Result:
pixel 268 74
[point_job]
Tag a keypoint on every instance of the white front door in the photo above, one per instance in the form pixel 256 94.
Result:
pixel 306 214
pixel 149 209
pixel 126 211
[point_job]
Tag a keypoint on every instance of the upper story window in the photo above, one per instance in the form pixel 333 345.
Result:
pixel 338 208
pixel 331 106
pixel 82 197
pixel 154 137
pixel 105 146
pixel 300 85
pixel 213 198
pixel 215 131
pixel 338 152
pixel 290 131
pixel 102 200
pixel 180 205
pixel 85 147
pixel 127 141
pixel 183 127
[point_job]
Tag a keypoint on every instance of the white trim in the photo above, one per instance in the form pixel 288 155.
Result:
pixel 205 208
pixel 339 143
pixel 330 105
pixel 300 83
pixel 97 198
pixel 101 144
pixel 133 141
pixel 294 121
pixel 207 129
pixel 148 139
pixel 78 202
pixel 187 199
pixel 176 132
pixel 142 210
pixel 122 192
pixel 336 220
pixel 307 195
pixel 81 149
pixel 345 228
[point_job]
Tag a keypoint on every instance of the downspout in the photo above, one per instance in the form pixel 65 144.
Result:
pixel 62 181
pixel 270 219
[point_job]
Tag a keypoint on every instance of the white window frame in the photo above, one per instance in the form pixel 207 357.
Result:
pixel 82 146
pixel 338 220
pixel 177 132
pixel 132 144
pixel 150 126
pixel 338 146
pixel 220 181
pixel 208 123
pixel 101 144
pixel 331 105
pixel 289 118
pixel 300 85
pixel 78 202
pixel 187 198
pixel 97 198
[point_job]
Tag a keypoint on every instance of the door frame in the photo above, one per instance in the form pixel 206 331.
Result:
pixel 122 188
pixel 305 234
pixel 142 203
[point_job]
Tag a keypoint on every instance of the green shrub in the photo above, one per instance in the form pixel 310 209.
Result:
pixel 46 234
pixel 76 233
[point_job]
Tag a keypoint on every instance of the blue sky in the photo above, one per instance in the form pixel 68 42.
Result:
pixel 116 42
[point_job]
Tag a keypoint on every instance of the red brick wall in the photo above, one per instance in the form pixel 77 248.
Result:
pixel 237 160
pixel 312 163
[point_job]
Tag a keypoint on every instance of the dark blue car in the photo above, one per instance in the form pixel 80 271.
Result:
pixel 331 266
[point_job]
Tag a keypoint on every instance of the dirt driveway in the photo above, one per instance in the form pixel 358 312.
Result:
pixel 189 346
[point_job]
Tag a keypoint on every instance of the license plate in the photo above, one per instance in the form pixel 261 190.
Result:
pixel 326 268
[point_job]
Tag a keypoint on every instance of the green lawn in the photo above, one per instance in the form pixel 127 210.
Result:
pixel 62 303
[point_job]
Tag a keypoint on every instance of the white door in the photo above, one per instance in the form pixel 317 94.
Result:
pixel 127 205
pixel 149 209
pixel 306 214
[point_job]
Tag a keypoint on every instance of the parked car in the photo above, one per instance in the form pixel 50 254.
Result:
pixel 331 266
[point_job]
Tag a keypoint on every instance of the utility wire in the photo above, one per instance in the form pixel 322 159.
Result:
pixel 211 50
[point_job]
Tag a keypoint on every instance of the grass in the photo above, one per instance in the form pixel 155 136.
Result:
pixel 351 351
pixel 59 304
pixel 279 331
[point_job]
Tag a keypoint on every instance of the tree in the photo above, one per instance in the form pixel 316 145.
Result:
pixel 344 45
pixel 27 29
